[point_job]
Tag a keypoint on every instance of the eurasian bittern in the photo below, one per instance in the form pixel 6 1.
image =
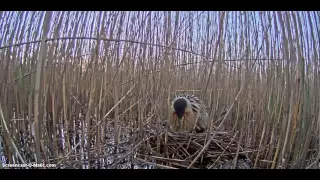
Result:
pixel 186 113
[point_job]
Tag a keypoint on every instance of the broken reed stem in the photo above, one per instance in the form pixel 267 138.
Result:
pixel 4 124
pixel 212 137
pixel 224 149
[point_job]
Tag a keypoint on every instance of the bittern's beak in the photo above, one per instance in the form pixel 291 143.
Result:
pixel 179 115
pixel 179 122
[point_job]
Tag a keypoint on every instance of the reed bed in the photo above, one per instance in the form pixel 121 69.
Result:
pixel 92 89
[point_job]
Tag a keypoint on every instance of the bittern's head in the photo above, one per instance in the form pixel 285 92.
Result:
pixel 181 107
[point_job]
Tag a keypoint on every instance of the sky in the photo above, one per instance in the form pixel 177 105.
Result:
pixel 192 25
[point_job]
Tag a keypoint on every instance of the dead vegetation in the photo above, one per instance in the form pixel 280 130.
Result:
pixel 92 89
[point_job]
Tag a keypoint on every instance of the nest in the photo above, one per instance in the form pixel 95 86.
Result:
pixel 178 150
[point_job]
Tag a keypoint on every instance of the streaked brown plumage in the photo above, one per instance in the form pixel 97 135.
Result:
pixel 186 111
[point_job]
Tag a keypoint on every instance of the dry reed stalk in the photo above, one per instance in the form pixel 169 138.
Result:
pixel 39 72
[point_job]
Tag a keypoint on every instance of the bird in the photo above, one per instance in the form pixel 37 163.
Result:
pixel 187 113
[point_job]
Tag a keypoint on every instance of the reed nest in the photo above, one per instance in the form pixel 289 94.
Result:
pixel 178 150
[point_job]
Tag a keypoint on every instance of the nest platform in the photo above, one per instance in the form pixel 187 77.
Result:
pixel 178 150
